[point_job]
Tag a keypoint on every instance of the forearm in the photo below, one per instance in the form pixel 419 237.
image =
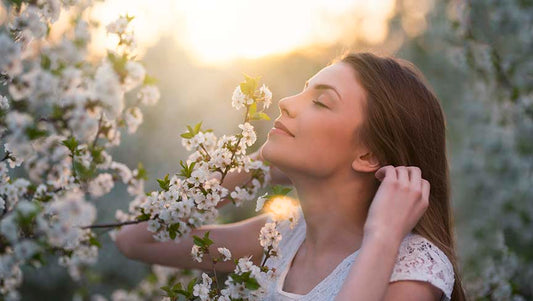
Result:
pixel 136 242
pixel 369 275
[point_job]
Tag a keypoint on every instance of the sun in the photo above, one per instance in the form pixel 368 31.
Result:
pixel 217 32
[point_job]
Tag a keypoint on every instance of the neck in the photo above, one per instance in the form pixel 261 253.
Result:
pixel 335 211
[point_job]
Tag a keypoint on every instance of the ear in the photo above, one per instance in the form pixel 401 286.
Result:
pixel 366 162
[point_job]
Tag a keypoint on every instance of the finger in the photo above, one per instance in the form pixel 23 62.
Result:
pixel 403 176
pixel 425 189
pixel 415 177
pixel 386 171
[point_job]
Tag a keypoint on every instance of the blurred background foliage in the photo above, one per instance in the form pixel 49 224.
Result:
pixel 477 55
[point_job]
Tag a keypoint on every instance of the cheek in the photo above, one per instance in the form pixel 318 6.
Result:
pixel 328 140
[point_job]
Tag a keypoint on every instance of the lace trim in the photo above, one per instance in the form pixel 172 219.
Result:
pixel 419 259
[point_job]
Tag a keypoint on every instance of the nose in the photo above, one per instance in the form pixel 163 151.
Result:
pixel 286 106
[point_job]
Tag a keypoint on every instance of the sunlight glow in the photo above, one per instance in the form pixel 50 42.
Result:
pixel 215 32
pixel 282 207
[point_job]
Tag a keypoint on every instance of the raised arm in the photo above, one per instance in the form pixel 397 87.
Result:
pixel 400 201
pixel 241 238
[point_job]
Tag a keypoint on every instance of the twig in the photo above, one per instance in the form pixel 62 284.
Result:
pixel 99 129
pixel 214 270
pixel 111 225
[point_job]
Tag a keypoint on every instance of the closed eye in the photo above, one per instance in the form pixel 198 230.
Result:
pixel 318 103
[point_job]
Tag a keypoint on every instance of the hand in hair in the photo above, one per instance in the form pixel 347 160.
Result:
pixel 400 201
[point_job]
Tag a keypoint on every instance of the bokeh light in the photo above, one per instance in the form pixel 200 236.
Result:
pixel 282 207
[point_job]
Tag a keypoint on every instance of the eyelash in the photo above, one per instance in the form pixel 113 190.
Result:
pixel 318 103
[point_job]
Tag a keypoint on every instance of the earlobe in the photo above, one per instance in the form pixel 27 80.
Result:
pixel 366 163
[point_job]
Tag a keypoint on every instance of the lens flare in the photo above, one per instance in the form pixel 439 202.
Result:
pixel 282 208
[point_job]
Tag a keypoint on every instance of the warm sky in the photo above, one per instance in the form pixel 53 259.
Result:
pixel 218 31
pixel 215 32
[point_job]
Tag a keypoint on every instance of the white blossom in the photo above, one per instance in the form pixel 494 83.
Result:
pixel 197 253
pixel 118 26
pixel 149 95
pixel 10 61
pixel 269 238
pixel 135 75
pixel 225 252
pixel 239 99
pixel 260 202
pixel 266 96
pixel 107 89
pixel 101 185
pixel 133 117
pixel 123 171
pixel 201 290
pixel 248 133
pixel 153 225
pixel 4 103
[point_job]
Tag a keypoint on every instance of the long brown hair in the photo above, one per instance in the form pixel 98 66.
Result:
pixel 405 125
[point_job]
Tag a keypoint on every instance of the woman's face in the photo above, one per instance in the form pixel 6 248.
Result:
pixel 322 119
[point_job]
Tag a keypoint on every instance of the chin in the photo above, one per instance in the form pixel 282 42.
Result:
pixel 273 153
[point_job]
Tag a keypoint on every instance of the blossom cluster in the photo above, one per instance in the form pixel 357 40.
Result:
pixel 58 116
pixel 62 113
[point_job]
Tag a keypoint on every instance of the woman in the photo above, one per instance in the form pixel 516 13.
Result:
pixel 361 144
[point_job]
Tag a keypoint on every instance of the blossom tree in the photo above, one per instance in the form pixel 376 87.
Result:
pixel 60 114
pixel 478 55
pixel 493 46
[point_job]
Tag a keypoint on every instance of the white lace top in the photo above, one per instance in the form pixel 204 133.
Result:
pixel 418 259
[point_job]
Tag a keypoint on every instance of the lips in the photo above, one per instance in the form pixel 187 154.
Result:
pixel 281 126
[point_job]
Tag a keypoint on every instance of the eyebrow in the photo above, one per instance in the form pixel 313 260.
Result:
pixel 324 87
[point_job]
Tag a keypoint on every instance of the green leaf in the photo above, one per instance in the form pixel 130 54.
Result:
pixel 129 18
pixel 149 80
pixel 249 85
pixel 34 133
pixel 17 3
pixel 164 183
pixel 280 190
pixel 177 286
pixel 187 135
pixel 94 242
pixel 198 241
pixel 141 172
pixel 253 109
pixel 119 64
pixel 252 284
pixel 204 242
pixel 190 286
pixel 168 290
pixel 143 217
pixel 173 230
pixel 186 170
pixel 71 144
pixel 197 128
pixel 207 241
pixel 172 234
pixel 151 278
pixel 263 116
pixel 84 172
pixel 45 62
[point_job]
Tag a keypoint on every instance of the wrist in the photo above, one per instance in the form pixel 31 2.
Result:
pixel 384 239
